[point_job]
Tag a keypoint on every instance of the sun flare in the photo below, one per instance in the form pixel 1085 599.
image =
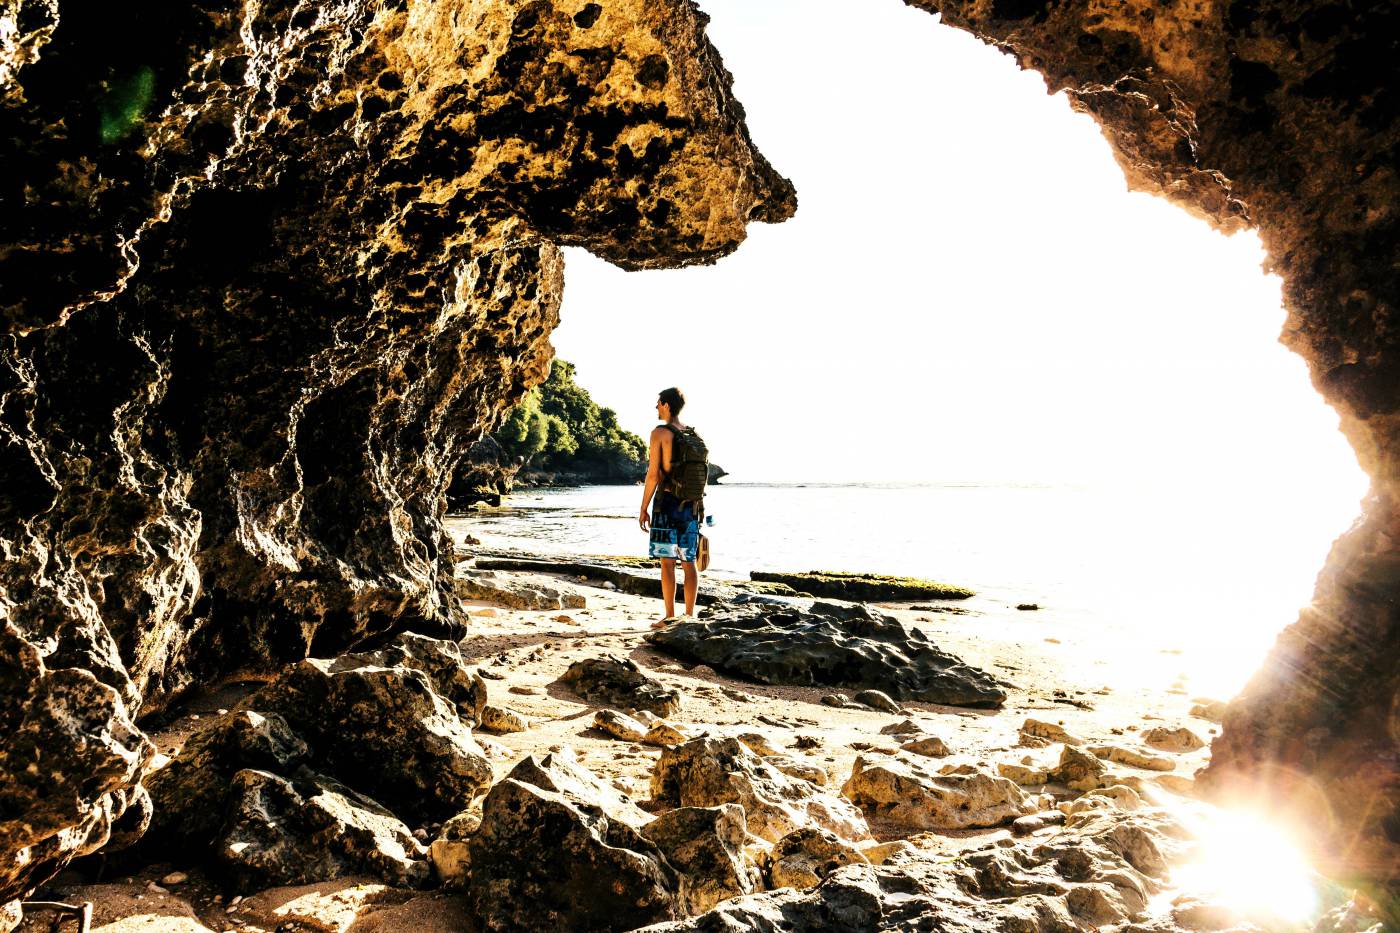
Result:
pixel 1251 866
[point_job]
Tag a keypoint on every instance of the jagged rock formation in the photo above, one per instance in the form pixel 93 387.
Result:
pixel 267 270
pixel 834 645
pixel 1281 115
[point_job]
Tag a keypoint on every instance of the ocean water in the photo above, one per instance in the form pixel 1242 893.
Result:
pixel 1133 570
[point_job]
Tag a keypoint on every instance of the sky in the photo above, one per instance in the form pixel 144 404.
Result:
pixel 968 291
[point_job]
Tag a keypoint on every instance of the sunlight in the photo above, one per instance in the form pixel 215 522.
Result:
pixel 1250 866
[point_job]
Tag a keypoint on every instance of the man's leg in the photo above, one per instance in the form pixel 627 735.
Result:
pixel 692 584
pixel 668 585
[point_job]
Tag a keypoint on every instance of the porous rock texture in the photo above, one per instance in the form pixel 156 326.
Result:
pixel 1280 115
pixel 267 270
pixel 829 644
pixel 1102 870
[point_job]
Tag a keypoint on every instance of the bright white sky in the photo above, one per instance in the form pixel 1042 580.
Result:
pixel 967 292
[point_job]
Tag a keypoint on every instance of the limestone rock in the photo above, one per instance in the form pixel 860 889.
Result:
pixel 831 645
pixel 930 746
pixel 1050 731
pixel 550 833
pixel 710 772
pixel 666 735
pixel 801 768
pixel 192 793
pixel 1100 870
pixel 383 730
pixel 1079 770
pixel 450 851
pixel 804 857
pixel 619 725
pixel 905 793
pixel 1024 775
pixel 877 700
pixel 1132 757
pixel 862 587
pixel 311 828
pixel 515 592
pixel 1028 825
pixel 277 268
pixel 621 683
pixel 1179 739
pixel 502 721
pixel 706 846
pixel 903 727
pixel 759 744
pixel 1210 710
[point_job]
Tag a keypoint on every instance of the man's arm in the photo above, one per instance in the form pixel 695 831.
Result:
pixel 654 461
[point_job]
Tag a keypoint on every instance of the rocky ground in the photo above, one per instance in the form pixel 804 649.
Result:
pixel 624 785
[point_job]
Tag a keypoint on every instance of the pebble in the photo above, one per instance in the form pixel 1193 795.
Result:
pixel 420 834
pixel 876 699
pixel 609 585
pixel 175 877
pixel 156 889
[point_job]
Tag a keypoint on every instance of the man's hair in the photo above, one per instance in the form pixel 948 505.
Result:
pixel 673 397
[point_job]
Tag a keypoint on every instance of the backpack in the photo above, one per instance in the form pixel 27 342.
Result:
pixel 690 466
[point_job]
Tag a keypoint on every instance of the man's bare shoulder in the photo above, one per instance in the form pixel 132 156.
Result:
pixel 660 433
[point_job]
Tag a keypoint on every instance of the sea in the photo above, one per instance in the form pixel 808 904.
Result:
pixel 1130 572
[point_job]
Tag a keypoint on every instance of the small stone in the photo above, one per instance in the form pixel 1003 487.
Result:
pixel 609 585
pixel 502 721
pixel 155 888
pixel 420 834
pixel 930 746
pixel 1209 710
pixel 666 735
pixel 175 877
pixel 1133 758
pixel 882 852
pixel 1078 770
pixel 619 725
pixel 1179 739
pixel 904 727
pixel 566 620
pixel 806 742
pixel 525 690
pixel 836 699
pixel 1049 730
pixel 876 699
pixel 1023 775
pixel 486 613
pixel 1027 607
pixel 1026 825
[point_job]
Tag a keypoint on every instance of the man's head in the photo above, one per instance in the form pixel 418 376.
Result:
pixel 669 403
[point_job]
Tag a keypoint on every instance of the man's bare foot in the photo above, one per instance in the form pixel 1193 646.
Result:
pixel 662 623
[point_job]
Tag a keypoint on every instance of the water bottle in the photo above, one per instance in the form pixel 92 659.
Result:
pixel 709 521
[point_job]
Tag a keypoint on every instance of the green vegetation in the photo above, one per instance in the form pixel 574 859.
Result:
pixel 125 104
pixel 863 586
pixel 557 428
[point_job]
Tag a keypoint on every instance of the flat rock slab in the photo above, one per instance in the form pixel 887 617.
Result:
pixel 829 645
pixel 516 593
pixel 870 587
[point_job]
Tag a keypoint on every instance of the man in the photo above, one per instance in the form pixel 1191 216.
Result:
pixel 674 523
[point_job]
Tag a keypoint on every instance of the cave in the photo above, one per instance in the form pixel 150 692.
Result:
pixel 270 269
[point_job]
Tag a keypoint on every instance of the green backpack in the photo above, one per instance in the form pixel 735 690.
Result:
pixel 690 466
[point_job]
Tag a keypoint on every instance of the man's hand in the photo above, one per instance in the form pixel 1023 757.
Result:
pixel 644 519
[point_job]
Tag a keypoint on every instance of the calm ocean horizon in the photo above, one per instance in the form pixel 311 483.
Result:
pixel 1128 565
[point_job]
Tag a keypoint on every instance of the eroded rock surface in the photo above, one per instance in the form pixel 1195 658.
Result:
pixel 712 772
pixel 267 271
pixel 833 645
pixel 705 845
pixel 912 795
pixel 1279 115
pixel 621 683
pixel 559 851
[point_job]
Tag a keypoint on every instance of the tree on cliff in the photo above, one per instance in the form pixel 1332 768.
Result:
pixel 558 428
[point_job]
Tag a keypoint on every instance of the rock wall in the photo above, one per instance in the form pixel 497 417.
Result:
pixel 1280 115
pixel 267 270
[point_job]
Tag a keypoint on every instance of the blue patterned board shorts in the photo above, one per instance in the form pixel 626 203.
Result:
pixel 675 529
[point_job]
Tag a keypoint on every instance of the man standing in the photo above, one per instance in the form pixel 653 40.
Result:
pixel 676 475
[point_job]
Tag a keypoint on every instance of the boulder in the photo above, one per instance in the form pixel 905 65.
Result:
pixel 829 645
pixel 710 772
pixel 804 857
pixel 309 828
pixel 383 730
pixel 450 851
pixel 559 851
pixel 516 592
pixel 877 700
pixel 706 846
pixel 621 683
pixel 1169 739
pixel 903 792
pixel 664 734
pixel 441 660
pixel 619 725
